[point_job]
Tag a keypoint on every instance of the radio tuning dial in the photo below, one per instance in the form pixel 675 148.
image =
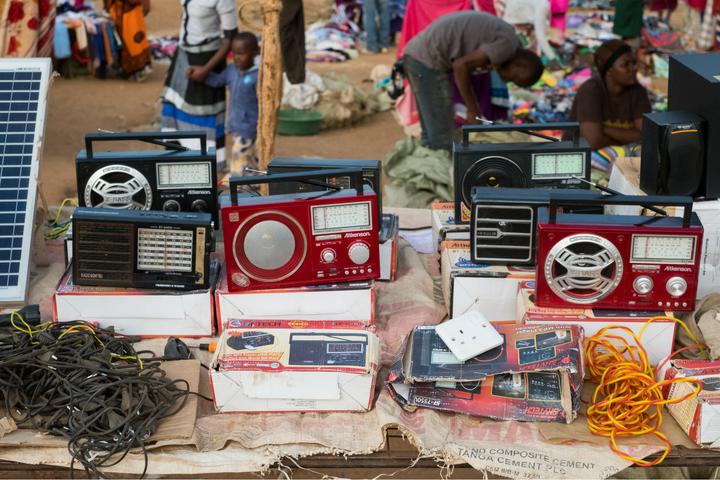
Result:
pixel 171 206
pixel 328 256
pixel 643 284
pixel 199 206
pixel 676 286
pixel 359 253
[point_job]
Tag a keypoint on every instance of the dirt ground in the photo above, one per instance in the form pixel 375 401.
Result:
pixel 81 105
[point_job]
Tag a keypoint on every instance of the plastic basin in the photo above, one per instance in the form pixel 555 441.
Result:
pixel 299 122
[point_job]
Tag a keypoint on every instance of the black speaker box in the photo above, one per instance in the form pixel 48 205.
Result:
pixel 372 175
pixel 694 86
pixel 673 154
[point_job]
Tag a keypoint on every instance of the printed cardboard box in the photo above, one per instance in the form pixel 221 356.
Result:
pixel 658 337
pixel 699 416
pixel 282 366
pixel 350 301
pixel 489 289
pixel 444 226
pixel 536 375
pixel 134 311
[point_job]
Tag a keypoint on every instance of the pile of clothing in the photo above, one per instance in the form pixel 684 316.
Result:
pixel 336 97
pixel 333 41
pixel 89 36
pixel 163 48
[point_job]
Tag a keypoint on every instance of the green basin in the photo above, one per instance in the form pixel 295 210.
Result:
pixel 299 122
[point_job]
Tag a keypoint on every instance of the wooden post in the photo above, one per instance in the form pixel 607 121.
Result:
pixel 270 79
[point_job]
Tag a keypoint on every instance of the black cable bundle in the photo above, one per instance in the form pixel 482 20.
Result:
pixel 88 385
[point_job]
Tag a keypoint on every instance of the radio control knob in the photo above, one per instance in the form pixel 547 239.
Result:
pixel 171 206
pixel 643 284
pixel 359 253
pixel 199 206
pixel 676 286
pixel 328 256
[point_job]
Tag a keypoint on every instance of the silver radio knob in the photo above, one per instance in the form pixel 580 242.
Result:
pixel 328 256
pixel 676 286
pixel 359 253
pixel 643 284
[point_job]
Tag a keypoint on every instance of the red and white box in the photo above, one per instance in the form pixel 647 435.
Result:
pixel 658 338
pixel 698 416
pixel 279 366
pixel 351 301
pixel 134 311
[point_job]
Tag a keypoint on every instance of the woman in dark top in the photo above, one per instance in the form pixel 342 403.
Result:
pixel 610 105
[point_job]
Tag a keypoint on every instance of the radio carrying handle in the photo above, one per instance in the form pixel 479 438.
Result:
pixel 564 198
pixel 529 128
pixel 150 137
pixel 355 174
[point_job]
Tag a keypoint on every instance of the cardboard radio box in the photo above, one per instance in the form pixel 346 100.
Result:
pixel 134 311
pixel 443 223
pixel 658 338
pixel 535 375
pixel 698 416
pixel 489 289
pixel 350 301
pixel 389 233
pixel 625 178
pixel 282 366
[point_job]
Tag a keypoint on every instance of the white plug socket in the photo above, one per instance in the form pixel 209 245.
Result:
pixel 469 335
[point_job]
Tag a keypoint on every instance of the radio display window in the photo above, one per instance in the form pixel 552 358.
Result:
pixel 663 249
pixel 345 348
pixel 342 182
pixel 558 165
pixel 355 216
pixel 165 250
pixel 184 175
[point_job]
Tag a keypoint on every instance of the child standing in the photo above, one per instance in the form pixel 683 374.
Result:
pixel 241 79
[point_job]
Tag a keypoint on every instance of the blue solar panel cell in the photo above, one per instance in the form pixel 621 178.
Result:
pixel 4 117
pixel 8 207
pixel 22 86
pixel 13 149
pixel 5 107
pixel 35 86
pixel 14 267
pixel 5 96
pixel 13 281
pixel 5 255
pixel 27 149
pixel 4 267
pixel 6 229
pixel 4 86
pixel 23 75
pixel 34 95
pixel 26 160
pixel 7 218
pixel 20 218
pixel 15 138
pixel 32 106
pixel 6 242
pixel 7 75
pixel 3 280
pixel 16 254
pixel 9 183
pixel 8 194
pixel 31 117
pixel 18 117
pixel 16 127
pixel 10 172
pixel 19 107
pixel 24 182
pixel 20 96
pixel 19 229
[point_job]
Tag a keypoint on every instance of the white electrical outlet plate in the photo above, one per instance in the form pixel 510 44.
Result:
pixel 469 335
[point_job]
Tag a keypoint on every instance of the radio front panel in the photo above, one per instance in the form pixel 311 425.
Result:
pixel 285 241
pixel 142 249
pixel 650 263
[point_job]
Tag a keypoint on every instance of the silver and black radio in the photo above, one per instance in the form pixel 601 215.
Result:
pixel 341 349
pixel 173 180
pixel 503 222
pixel 551 165
pixel 129 248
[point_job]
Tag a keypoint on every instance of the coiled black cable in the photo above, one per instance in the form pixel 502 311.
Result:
pixel 87 385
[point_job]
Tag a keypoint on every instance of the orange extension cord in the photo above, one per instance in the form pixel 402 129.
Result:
pixel 628 388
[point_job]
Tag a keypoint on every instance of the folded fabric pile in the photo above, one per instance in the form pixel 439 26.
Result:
pixel 163 48
pixel 334 41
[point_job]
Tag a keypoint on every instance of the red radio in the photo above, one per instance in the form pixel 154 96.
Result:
pixel 302 238
pixel 623 262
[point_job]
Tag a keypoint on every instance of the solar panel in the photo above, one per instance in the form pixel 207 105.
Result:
pixel 23 108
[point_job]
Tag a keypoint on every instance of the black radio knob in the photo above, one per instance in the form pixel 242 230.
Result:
pixel 171 206
pixel 199 206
